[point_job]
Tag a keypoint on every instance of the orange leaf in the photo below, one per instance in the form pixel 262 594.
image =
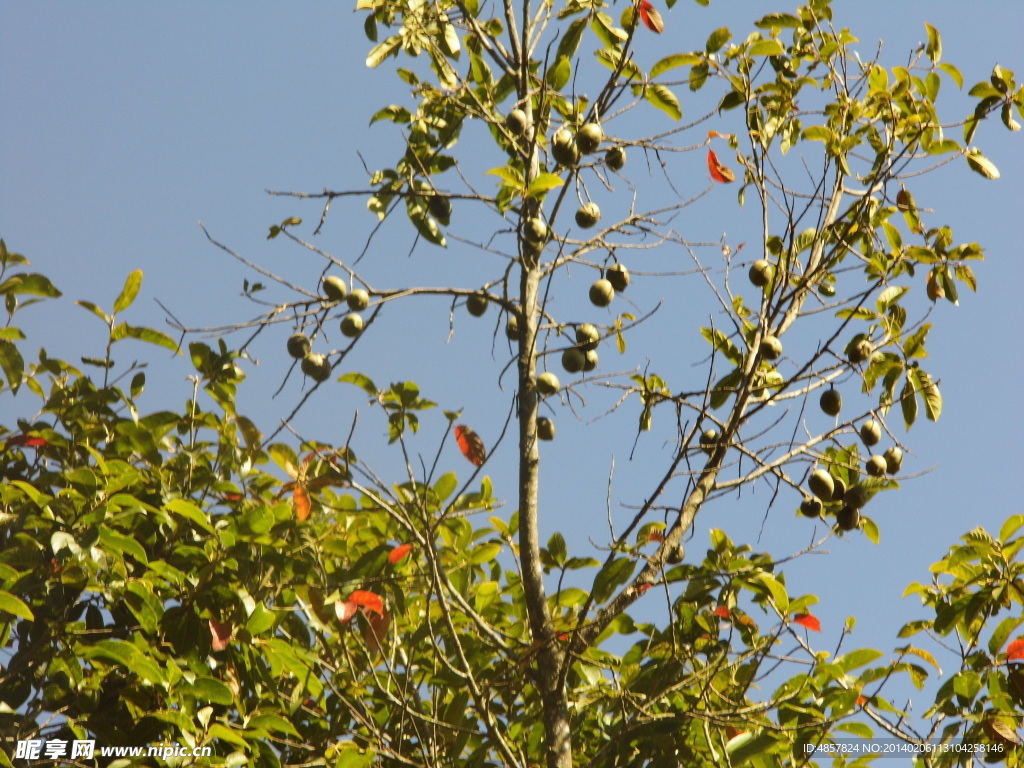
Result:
pixel 721 611
pixel 377 629
pixel 370 601
pixel 562 636
pixel 221 631
pixel 719 172
pixel 862 700
pixel 302 505
pixel 1015 650
pixel 655 536
pixel 470 444
pixel 345 609
pixel 642 588
pixel 398 554
pixel 651 18
pixel 806 620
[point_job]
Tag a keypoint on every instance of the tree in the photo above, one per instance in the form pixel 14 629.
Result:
pixel 168 583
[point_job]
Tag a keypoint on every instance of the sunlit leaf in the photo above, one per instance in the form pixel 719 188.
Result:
pixel 470 444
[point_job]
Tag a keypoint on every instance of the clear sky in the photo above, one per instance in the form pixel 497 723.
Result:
pixel 124 124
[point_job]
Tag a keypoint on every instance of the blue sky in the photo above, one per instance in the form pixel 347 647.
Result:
pixel 126 124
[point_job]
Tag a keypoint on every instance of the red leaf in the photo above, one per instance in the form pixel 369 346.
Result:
pixel 642 588
pixel 651 18
pixel 398 554
pixel 302 505
pixel 721 611
pixel 369 601
pixel 862 700
pixel 28 440
pixel 377 629
pixel 1015 650
pixel 719 172
pixel 732 731
pixel 806 620
pixel 221 631
pixel 655 536
pixel 345 610
pixel 470 444
pixel 562 636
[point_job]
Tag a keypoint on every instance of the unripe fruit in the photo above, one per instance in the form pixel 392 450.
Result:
pixel 831 402
pixel 516 122
pixel 893 460
pixel 352 325
pixel 298 345
pixel 477 304
pixel 761 272
pixel 848 518
pixel 856 497
pixel 870 432
pixel 589 137
pixel 811 507
pixel 334 288
pixel 615 158
pixel 618 276
pixel 316 367
pixel 512 328
pixel 822 484
pixel 545 428
pixel 590 360
pixel 859 351
pixel 564 149
pixel 587 337
pixel 840 489
pixel 876 466
pixel 574 359
pixel 547 383
pixel 674 555
pixel 588 215
pixel 535 230
pixel 708 440
pixel 358 300
pixel 601 293
pixel 771 348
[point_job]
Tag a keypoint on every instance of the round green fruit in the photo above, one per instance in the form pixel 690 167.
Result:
pixel 587 337
pixel 440 208
pixel 856 497
pixel 674 555
pixel 601 293
pixel 811 507
pixel 848 518
pixel 876 466
pixel 840 492
pixel 831 402
pixel 573 360
pixel 761 273
pixel 545 428
pixel 299 345
pixel 588 215
pixel 618 276
pixel 822 484
pixel 316 367
pixel 358 300
pixel 893 460
pixel 870 432
pixel 564 149
pixel 771 348
pixel 547 383
pixel 589 138
pixel 352 325
pixel 512 328
pixel 859 351
pixel 535 230
pixel 615 158
pixel 708 441
pixel 477 304
pixel 334 288
pixel 590 360
pixel 516 122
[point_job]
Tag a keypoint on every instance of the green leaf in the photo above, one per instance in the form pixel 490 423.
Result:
pixel 611 57
pixel 981 164
pixel 908 402
pixel 509 174
pixel 954 74
pixel 15 606
pixel 570 41
pixel 858 658
pixel 362 381
pixel 544 183
pixel 31 283
pixel 12 363
pixel 189 511
pixel 723 344
pixel 131 289
pixel 382 50
pixel 261 619
pixel 717 39
pixel 773 587
pixel 673 61
pixel 604 27
pixel 663 98
pixel 818 133
pixel 149 335
pixel 121 544
pixel 615 573
pixel 558 74
pixel 209 690
pixel 777 20
pixel 274 723
pixel 889 297
pixel 934 47
pixel 766 48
